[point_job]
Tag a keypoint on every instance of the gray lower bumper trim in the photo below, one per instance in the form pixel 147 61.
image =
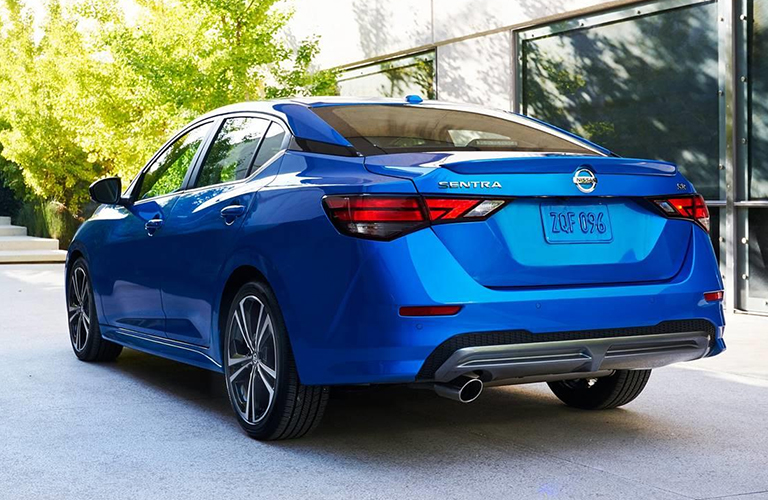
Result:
pixel 510 361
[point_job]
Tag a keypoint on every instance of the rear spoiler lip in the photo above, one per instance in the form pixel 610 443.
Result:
pixel 416 164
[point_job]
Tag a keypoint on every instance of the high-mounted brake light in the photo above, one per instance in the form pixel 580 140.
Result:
pixel 692 207
pixel 385 217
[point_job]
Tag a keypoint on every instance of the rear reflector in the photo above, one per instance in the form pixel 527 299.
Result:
pixel 713 296
pixel 692 208
pixel 385 217
pixel 429 310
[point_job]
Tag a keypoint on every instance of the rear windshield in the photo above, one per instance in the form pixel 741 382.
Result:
pixel 383 129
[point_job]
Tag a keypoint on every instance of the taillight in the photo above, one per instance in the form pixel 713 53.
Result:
pixel 385 217
pixel 691 207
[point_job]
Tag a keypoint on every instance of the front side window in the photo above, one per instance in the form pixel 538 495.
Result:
pixel 167 173
pixel 384 129
pixel 230 156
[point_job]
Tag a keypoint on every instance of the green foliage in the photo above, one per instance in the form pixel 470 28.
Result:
pixel 88 92
pixel 47 220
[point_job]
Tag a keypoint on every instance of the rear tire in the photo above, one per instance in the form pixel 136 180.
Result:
pixel 84 333
pixel 262 381
pixel 604 392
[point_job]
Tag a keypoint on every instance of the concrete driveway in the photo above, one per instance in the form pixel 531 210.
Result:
pixel 144 427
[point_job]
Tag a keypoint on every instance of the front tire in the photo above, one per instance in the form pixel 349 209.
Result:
pixel 602 393
pixel 84 333
pixel 263 384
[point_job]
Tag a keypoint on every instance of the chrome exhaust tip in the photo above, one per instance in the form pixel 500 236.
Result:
pixel 463 389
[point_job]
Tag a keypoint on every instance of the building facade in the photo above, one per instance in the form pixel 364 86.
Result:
pixel 679 80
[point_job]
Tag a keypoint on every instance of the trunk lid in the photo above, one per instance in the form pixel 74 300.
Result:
pixel 571 220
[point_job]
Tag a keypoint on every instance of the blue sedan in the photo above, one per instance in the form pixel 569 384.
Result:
pixel 295 245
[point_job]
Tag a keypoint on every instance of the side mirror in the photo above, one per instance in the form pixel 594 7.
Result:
pixel 107 191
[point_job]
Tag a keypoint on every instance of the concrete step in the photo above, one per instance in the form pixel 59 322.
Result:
pixel 7 230
pixel 12 243
pixel 5 221
pixel 19 256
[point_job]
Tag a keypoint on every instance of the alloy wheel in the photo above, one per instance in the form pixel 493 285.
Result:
pixel 79 309
pixel 252 359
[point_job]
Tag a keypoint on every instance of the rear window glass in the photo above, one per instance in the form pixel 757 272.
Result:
pixel 383 129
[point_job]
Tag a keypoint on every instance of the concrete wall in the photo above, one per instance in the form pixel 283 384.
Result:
pixel 470 68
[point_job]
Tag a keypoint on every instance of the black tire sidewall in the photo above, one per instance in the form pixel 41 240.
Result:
pixel 608 392
pixel 286 376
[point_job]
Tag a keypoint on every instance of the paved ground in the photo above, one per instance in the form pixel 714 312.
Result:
pixel 148 428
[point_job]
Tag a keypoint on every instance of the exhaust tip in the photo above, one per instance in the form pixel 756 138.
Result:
pixel 471 390
pixel 464 389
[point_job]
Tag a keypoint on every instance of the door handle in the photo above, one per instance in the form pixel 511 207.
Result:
pixel 153 225
pixel 232 212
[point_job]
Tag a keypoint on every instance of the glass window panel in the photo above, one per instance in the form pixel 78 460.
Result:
pixel 646 87
pixel 758 101
pixel 230 155
pixel 758 253
pixel 167 173
pixel 270 146
pixel 382 129
pixel 395 78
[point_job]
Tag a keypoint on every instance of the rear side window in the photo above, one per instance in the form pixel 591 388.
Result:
pixel 383 129
pixel 229 157
pixel 270 146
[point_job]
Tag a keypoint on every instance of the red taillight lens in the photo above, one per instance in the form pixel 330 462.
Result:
pixel 686 207
pixel 429 310
pixel 386 216
pixel 370 209
pixel 713 296
pixel 374 216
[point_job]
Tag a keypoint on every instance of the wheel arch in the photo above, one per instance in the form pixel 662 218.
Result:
pixel 236 279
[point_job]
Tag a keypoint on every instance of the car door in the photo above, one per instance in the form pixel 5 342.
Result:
pixel 202 227
pixel 128 260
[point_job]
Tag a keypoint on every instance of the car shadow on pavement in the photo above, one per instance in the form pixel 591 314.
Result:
pixel 363 421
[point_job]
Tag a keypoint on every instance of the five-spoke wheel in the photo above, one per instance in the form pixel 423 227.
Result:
pixel 263 384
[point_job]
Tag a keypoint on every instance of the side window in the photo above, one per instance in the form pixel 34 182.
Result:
pixel 270 146
pixel 167 173
pixel 229 158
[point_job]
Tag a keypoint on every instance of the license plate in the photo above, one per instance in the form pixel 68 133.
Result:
pixel 576 223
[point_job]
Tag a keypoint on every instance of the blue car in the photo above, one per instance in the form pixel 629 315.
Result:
pixel 295 245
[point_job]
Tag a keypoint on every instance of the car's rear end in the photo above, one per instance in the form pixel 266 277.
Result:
pixel 522 253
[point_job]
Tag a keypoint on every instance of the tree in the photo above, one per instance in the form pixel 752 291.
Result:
pixel 91 93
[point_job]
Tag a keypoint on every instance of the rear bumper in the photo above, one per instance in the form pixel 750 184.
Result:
pixel 343 321
pixel 520 355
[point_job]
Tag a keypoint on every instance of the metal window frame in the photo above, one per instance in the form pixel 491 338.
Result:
pixel 402 61
pixel 732 125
